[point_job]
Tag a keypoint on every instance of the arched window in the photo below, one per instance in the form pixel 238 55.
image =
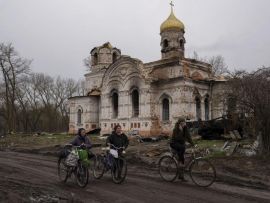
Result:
pixel 198 108
pixel 165 110
pixel 181 43
pixel 79 116
pixel 206 108
pixel 115 105
pixel 135 103
pixel 114 56
pixel 165 43
pixel 95 59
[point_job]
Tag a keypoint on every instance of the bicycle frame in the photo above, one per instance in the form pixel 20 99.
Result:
pixel 192 159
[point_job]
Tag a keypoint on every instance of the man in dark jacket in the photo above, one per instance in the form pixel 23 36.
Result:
pixel 179 137
pixel 117 138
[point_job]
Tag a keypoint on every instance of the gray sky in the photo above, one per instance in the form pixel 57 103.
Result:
pixel 58 34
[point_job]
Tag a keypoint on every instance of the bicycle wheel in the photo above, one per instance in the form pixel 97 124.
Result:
pixel 168 168
pixel 119 170
pixel 62 170
pixel 99 167
pixel 82 175
pixel 202 172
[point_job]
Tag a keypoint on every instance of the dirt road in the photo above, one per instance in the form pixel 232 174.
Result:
pixel 33 178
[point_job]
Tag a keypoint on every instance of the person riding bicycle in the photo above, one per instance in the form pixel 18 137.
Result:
pixel 179 136
pixel 82 140
pixel 117 138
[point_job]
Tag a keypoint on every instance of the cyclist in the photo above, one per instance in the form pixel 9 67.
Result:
pixel 82 140
pixel 179 137
pixel 118 139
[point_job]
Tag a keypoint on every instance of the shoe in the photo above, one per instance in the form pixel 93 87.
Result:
pixel 184 180
pixel 182 177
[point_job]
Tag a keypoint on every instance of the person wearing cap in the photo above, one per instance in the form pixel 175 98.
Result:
pixel 180 135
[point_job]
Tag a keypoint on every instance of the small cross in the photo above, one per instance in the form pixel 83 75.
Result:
pixel 171 4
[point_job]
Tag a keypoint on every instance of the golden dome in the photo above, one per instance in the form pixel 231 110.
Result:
pixel 172 23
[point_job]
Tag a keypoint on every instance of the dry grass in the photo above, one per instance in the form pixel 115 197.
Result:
pixel 44 140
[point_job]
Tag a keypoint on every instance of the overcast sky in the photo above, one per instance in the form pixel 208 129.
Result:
pixel 58 34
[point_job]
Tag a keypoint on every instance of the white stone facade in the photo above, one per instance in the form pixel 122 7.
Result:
pixel 148 97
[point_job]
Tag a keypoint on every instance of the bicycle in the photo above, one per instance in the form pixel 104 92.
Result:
pixel 76 163
pixel 201 171
pixel 112 160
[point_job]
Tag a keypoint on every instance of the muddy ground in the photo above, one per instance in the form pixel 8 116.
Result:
pixel 28 174
pixel 28 177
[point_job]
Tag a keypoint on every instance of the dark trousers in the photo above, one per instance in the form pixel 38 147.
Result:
pixel 180 149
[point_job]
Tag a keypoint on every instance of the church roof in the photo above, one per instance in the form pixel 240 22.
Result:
pixel 172 23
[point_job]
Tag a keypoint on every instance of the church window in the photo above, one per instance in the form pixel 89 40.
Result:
pixel 139 125
pixel 95 59
pixel 165 110
pixel 79 116
pixel 114 56
pixel 198 108
pixel 135 125
pixel 131 125
pixel 165 43
pixel 181 43
pixel 115 105
pixel 206 108
pixel 135 103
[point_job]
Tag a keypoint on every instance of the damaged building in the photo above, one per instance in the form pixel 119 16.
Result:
pixel 147 97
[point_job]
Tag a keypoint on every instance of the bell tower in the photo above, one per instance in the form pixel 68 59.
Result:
pixel 103 56
pixel 172 33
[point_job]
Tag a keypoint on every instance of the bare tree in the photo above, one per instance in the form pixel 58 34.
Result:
pixel 252 94
pixel 81 89
pixel 32 102
pixel 219 67
pixel 13 67
pixel 87 63
pixel 63 89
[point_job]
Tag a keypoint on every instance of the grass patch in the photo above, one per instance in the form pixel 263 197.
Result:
pixel 217 154
pixel 34 140
pixel 210 143
pixel 18 140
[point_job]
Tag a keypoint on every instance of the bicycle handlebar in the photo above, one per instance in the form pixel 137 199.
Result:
pixel 76 147
pixel 115 146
